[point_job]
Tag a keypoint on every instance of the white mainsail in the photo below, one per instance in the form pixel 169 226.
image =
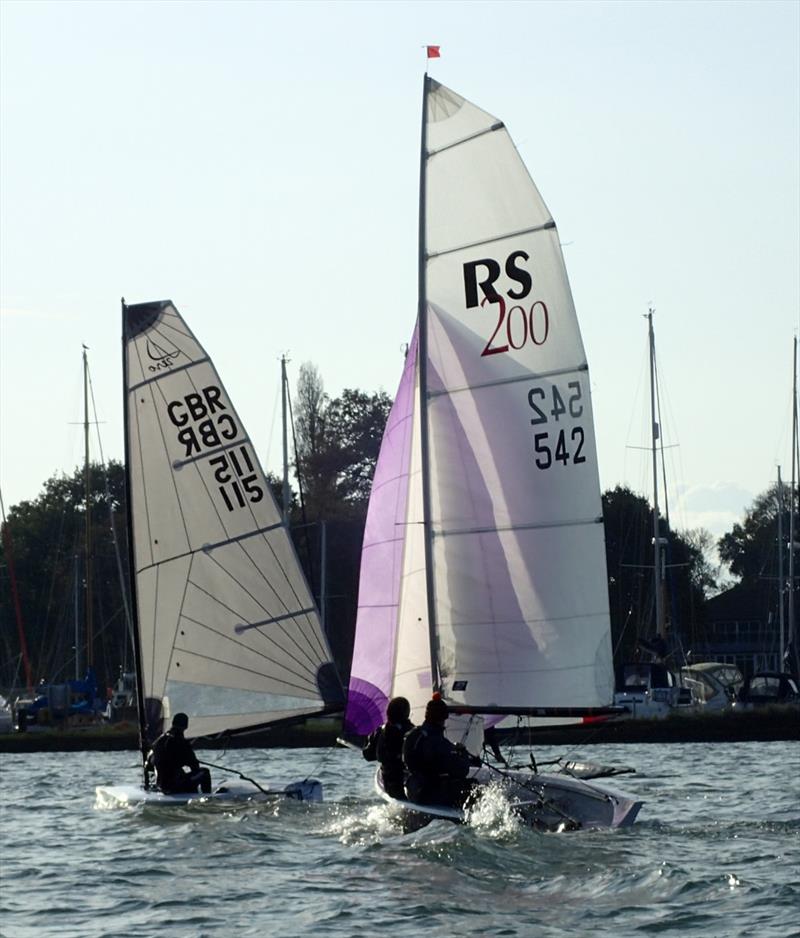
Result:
pixel 228 631
pixel 507 493
pixel 517 549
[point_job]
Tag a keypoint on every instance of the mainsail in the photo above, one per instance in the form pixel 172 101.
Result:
pixel 227 629
pixel 507 497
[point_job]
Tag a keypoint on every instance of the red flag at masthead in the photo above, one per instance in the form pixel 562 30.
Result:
pixel 433 52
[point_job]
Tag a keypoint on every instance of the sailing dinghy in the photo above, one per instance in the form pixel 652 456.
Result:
pixel 226 629
pixel 483 574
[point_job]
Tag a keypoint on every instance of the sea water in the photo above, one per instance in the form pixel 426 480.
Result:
pixel 715 853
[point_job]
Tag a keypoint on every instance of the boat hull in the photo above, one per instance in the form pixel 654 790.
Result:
pixel 542 801
pixel 130 796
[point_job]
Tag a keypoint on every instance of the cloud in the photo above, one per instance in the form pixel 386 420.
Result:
pixel 716 506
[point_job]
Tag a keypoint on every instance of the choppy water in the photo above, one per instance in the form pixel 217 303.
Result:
pixel 716 852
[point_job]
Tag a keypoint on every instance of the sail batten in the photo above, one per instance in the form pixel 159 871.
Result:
pixel 498 125
pixel 211 552
pixel 455 532
pixel 246 626
pixel 431 255
pixel 514 379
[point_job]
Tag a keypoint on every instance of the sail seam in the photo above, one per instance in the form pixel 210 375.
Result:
pixel 481 623
pixel 304 663
pixel 314 648
pixel 310 653
pixel 164 374
pixel 530 376
pixel 237 667
pixel 499 125
pixel 502 237
pixel 518 527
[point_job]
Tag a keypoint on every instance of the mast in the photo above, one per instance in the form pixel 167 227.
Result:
pixel 422 315
pixel 781 582
pixel 792 621
pixel 76 613
pixel 137 644
pixel 660 628
pixel 284 395
pixel 88 517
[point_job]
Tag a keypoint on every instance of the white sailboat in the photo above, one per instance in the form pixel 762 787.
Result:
pixel 483 573
pixel 226 629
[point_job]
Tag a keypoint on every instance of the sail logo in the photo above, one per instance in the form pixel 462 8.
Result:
pixel 162 357
pixel 518 325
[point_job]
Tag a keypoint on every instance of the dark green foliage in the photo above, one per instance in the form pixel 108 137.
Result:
pixel 628 521
pixel 337 446
pixel 750 549
pixel 48 538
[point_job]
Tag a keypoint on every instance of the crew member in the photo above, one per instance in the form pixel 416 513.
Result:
pixel 386 745
pixel 436 769
pixel 174 762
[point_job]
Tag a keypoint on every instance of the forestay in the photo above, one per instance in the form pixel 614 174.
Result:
pixel 227 627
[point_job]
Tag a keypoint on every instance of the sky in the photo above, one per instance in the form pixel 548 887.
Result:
pixel 257 163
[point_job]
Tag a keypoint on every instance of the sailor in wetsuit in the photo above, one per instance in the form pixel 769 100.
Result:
pixel 170 757
pixel 436 769
pixel 386 745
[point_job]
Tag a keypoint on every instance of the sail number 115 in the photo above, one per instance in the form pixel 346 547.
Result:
pixel 554 445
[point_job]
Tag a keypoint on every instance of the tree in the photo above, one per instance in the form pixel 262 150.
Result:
pixel 337 445
pixel 751 549
pixel 355 425
pixel 48 537
pixel 338 441
pixel 706 573
pixel 628 519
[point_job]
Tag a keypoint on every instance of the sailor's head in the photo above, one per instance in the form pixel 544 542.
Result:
pixel 180 721
pixel 398 710
pixel 436 711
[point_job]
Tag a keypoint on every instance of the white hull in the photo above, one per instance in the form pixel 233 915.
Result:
pixel 551 802
pixel 128 796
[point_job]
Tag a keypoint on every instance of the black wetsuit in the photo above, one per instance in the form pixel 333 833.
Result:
pixel 170 753
pixel 386 745
pixel 436 769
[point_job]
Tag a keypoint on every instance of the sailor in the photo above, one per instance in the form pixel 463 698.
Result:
pixel 386 745
pixel 436 769
pixel 174 762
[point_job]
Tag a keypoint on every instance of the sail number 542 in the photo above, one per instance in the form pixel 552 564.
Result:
pixel 549 403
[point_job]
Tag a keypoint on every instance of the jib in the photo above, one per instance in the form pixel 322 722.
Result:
pixel 491 273
pixel 198 421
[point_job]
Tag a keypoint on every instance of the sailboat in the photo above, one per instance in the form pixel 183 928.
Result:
pixel 483 575
pixel 226 629
pixel 650 689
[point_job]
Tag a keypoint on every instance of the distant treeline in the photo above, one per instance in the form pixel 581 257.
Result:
pixel 336 448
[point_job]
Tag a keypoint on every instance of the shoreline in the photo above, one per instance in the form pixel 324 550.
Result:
pixel 770 724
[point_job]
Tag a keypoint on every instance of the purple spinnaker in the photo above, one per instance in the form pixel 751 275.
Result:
pixel 382 564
